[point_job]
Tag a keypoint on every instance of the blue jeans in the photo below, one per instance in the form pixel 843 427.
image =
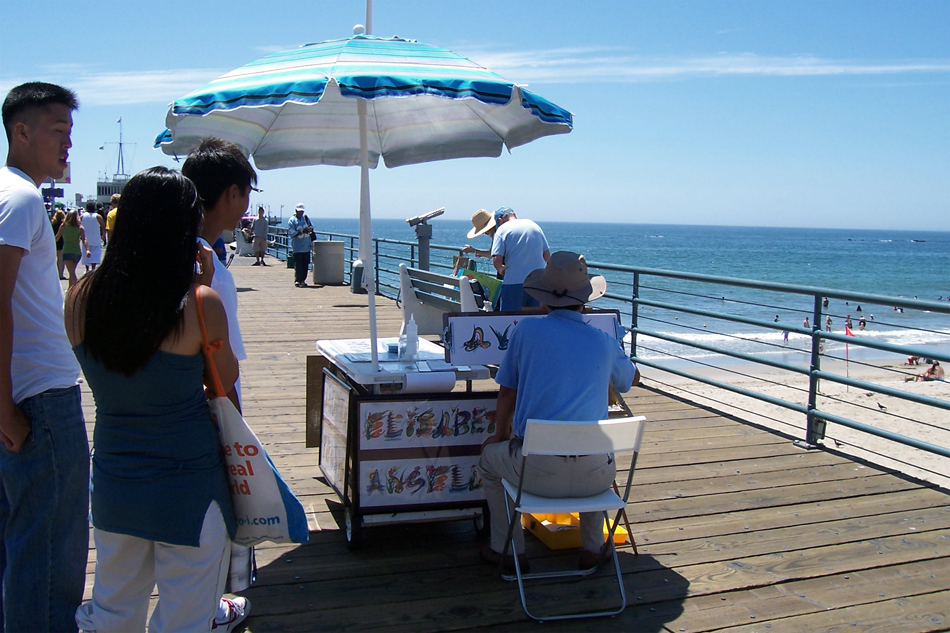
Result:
pixel 512 298
pixel 301 266
pixel 44 516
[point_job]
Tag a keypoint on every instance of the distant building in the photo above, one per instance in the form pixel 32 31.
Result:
pixel 105 188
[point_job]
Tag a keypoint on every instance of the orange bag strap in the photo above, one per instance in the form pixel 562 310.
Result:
pixel 209 348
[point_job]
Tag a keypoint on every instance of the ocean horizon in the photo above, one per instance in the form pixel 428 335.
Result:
pixel 895 263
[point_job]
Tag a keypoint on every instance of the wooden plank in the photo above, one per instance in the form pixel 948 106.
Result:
pixel 732 520
pixel 436 301
pixel 925 612
pixel 432 278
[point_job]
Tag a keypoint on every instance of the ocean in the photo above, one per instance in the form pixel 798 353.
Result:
pixel 908 264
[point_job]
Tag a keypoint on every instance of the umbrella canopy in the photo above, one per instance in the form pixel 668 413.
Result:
pixel 348 102
pixel 424 103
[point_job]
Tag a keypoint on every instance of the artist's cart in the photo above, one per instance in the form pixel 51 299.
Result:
pixel 402 444
pixel 398 445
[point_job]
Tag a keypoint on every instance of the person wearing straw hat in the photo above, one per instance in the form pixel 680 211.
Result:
pixel 557 367
pixel 483 223
pixel 518 247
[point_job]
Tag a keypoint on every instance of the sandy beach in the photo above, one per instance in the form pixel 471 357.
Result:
pixel 920 422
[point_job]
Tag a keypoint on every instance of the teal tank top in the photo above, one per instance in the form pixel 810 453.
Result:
pixel 157 463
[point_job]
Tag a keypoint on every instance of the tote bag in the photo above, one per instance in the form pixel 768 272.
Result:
pixel 264 506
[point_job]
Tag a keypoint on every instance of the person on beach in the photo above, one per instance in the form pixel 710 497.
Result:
pixel 518 247
pixel 301 243
pixel 934 372
pixel 260 238
pixel 224 179
pixel 862 323
pixel 110 216
pixel 44 457
pixel 557 367
pixel 805 324
pixel 161 507
pixel 828 323
pixel 92 227
pixel 71 232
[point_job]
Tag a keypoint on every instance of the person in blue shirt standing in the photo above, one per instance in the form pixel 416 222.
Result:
pixel 300 231
pixel 518 247
pixel 557 367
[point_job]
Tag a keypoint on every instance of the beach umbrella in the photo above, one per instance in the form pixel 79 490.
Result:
pixel 352 101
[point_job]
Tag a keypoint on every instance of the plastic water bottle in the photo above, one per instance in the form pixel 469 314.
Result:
pixel 412 341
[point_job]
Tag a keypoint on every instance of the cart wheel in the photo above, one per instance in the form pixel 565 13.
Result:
pixel 482 523
pixel 354 529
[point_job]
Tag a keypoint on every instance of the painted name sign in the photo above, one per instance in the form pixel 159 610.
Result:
pixel 426 423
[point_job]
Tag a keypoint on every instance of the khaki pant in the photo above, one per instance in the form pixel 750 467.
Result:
pixel 548 476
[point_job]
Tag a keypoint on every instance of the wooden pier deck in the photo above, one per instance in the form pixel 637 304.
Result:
pixel 738 530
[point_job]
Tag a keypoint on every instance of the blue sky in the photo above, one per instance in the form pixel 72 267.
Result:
pixel 804 114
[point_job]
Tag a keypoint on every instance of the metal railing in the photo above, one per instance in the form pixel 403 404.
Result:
pixel 714 330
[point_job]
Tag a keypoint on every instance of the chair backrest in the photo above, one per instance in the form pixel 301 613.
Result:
pixel 556 437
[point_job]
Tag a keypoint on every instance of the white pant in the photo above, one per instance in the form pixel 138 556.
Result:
pixel 190 581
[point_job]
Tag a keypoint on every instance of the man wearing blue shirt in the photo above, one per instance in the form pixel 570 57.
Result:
pixel 557 367
pixel 300 230
pixel 518 247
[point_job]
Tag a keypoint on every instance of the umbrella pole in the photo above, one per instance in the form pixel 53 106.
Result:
pixel 366 234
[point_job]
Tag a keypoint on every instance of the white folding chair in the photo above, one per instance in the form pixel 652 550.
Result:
pixel 553 437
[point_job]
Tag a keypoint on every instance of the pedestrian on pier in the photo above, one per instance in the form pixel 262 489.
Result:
pixel 160 501
pixel 224 179
pixel 44 457
pixel 301 242
pixel 260 237
pixel 518 248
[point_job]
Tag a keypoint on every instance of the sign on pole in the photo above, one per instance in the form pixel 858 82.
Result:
pixel 65 179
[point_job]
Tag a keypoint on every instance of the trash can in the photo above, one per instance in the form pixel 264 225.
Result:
pixel 356 278
pixel 328 263
pixel 290 258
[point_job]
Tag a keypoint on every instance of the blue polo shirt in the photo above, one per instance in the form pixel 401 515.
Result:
pixel 522 244
pixel 561 368
pixel 299 243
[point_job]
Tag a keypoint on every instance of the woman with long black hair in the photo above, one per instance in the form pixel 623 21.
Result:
pixel 160 502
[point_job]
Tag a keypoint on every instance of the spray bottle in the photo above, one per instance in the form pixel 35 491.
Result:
pixel 411 347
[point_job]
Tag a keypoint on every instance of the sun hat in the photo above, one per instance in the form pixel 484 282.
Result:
pixel 300 207
pixel 564 281
pixel 501 212
pixel 482 221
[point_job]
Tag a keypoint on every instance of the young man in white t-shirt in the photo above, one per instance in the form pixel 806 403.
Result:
pixel 224 179
pixel 44 457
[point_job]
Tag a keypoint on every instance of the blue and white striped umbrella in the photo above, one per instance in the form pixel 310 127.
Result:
pixel 424 103
pixel 348 102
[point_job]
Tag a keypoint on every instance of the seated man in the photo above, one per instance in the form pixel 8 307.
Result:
pixel 557 367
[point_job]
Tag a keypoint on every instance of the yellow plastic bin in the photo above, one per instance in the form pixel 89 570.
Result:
pixel 562 531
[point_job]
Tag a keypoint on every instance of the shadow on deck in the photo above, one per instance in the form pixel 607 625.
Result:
pixel 738 530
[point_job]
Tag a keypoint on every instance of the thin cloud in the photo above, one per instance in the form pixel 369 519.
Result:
pixel 96 88
pixel 557 65
pixel 585 65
